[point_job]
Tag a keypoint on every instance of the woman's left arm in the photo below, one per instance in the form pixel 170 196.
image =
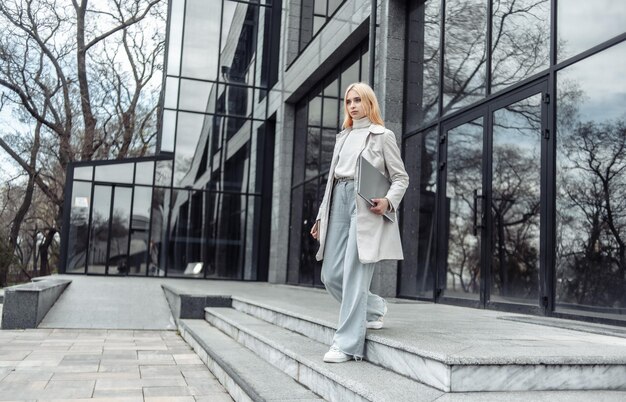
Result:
pixel 395 167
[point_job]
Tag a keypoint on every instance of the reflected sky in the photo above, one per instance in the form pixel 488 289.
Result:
pixel 189 129
pixel 583 24
pixel 602 83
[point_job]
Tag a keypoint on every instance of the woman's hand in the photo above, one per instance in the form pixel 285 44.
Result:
pixel 315 230
pixel 381 205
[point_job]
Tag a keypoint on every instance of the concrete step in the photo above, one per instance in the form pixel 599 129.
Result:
pixel 479 366
pixel 245 375
pixel 301 358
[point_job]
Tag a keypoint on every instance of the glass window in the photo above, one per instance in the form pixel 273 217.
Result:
pixel 314 15
pixel 120 230
pixel 465 54
pixel 365 67
pixel 175 36
pixel 171 93
pixel 168 132
pixel 239 45
pixel 315 111
pixel 423 62
pixel 144 173
pixel 163 173
pixel 349 75
pixel 83 173
pixel 190 126
pixel 328 146
pixel 331 112
pixel 99 230
pixel 520 40
pixel 313 140
pixel 201 41
pixel 225 230
pixel 299 148
pixel 308 249
pixel 584 24
pixel 115 173
pixel 418 228
pixel 238 100
pixel 591 184
pixel 196 96
pixel 159 235
pixel 78 232
pixel 295 235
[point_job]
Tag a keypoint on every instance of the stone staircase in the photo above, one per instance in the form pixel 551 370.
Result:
pixel 267 352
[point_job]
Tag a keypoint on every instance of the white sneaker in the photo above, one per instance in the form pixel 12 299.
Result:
pixel 334 355
pixel 378 324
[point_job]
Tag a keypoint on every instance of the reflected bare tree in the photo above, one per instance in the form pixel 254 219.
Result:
pixel 592 214
pixel 83 75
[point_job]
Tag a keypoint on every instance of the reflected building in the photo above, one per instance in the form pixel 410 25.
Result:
pixel 509 114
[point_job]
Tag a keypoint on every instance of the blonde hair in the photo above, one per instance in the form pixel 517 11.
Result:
pixel 369 101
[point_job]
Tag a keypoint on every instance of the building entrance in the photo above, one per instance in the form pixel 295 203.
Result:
pixel 491 212
pixel 109 240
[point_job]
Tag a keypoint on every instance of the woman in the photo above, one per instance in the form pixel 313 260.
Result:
pixel 354 235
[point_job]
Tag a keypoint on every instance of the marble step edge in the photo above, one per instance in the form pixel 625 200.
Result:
pixel 323 331
pixel 476 378
pixel 240 388
pixel 313 373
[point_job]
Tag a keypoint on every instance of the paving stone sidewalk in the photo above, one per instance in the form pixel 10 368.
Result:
pixel 103 365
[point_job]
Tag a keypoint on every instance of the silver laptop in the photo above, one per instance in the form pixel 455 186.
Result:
pixel 373 184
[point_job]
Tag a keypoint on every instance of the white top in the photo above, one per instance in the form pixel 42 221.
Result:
pixel 346 165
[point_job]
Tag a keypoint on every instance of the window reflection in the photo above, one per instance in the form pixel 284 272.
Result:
pixel 520 40
pixel 312 152
pixel 117 261
pixel 115 173
pixel 83 173
pixel 465 54
pixel 423 62
pixel 144 173
pixel 190 126
pixel 238 100
pixel 175 31
pixel 295 232
pixel 163 173
pixel 168 132
pixel 418 207
pixel 201 41
pixel 314 15
pixel 239 44
pixel 516 175
pixel 463 183
pixel 591 185
pixel 195 95
pixel 584 24
pixel 79 221
pixel 139 231
pixel 171 93
pixel 159 235
pixel 99 230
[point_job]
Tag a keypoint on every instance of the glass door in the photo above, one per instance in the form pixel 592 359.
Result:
pixel 460 208
pixel 515 179
pixel 491 175
pixel 110 229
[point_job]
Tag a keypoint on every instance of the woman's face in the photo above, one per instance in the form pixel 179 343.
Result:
pixel 354 105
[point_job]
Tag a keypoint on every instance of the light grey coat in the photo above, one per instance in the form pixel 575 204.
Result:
pixel 377 238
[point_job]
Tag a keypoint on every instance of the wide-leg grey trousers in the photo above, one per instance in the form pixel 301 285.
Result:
pixel 345 277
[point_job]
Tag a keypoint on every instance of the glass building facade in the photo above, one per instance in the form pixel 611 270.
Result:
pixel 512 127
